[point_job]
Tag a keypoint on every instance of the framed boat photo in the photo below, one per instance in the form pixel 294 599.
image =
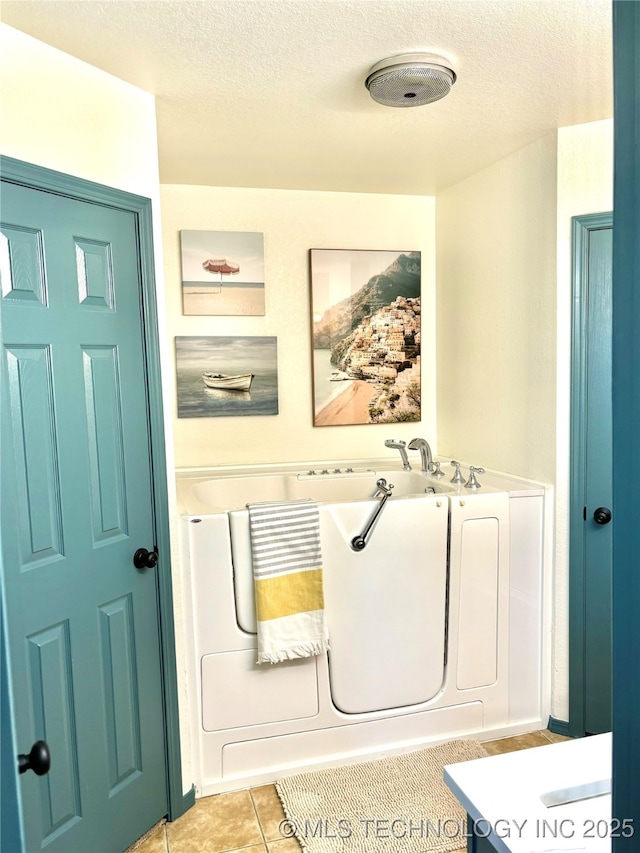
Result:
pixel 365 332
pixel 222 273
pixel 225 376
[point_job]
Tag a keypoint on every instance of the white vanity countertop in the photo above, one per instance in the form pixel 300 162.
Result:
pixel 502 793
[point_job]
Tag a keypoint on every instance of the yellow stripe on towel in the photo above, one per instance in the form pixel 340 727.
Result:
pixel 284 595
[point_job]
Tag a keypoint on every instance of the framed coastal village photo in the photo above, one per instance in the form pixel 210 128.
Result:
pixel 225 376
pixel 365 331
pixel 222 273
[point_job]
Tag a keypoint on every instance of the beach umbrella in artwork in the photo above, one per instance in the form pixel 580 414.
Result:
pixel 222 266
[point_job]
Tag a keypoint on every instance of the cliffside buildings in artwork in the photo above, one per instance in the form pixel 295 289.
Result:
pixel 373 335
pixel 385 349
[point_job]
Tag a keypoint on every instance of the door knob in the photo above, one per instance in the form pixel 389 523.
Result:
pixel 38 760
pixel 144 559
pixel 602 515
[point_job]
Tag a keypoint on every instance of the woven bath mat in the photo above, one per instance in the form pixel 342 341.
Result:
pixel 399 804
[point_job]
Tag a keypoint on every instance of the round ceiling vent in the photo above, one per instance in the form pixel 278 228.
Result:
pixel 410 80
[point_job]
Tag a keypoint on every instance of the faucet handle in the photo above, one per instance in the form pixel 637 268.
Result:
pixel 457 476
pixel 472 482
pixel 436 471
pixel 383 487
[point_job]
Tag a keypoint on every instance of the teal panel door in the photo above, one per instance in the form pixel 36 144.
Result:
pixel 76 503
pixel 590 676
pixel 599 487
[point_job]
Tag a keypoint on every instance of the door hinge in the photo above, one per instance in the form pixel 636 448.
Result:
pixel 584 514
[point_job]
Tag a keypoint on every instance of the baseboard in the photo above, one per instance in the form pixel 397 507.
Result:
pixel 558 727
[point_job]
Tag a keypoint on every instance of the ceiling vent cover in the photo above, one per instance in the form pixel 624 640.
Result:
pixel 410 80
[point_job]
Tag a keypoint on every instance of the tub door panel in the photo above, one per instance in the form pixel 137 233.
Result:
pixel 385 605
pixel 238 692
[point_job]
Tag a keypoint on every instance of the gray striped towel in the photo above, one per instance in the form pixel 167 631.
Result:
pixel 287 575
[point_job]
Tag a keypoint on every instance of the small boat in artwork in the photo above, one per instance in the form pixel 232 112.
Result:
pixel 226 382
pixel 338 376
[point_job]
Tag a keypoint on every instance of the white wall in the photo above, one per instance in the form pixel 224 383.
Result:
pixel 504 259
pixel 293 222
pixel 496 315
pixel 504 283
pixel 63 114
pixel 585 185
pixel 496 322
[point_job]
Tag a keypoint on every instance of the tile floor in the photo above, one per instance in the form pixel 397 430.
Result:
pixel 247 821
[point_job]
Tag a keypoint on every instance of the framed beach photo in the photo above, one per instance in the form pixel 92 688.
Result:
pixel 224 376
pixel 365 331
pixel 222 273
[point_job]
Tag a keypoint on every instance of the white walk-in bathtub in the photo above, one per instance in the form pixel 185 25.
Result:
pixel 435 627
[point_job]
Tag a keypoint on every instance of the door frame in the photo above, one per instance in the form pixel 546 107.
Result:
pixel 48 180
pixel 626 414
pixel 582 226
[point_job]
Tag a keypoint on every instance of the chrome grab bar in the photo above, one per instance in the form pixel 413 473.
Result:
pixel 359 542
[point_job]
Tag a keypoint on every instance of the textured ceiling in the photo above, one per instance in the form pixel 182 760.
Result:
pixel 270 93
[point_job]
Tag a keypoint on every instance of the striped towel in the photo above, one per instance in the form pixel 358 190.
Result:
pixel 287 574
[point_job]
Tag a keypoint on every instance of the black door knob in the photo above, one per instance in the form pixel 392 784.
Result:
pixel 38 760
pixel 144 559
pixel 602 515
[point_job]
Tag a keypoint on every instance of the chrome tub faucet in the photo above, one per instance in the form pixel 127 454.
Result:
pixel 426 456
pixel 401 446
